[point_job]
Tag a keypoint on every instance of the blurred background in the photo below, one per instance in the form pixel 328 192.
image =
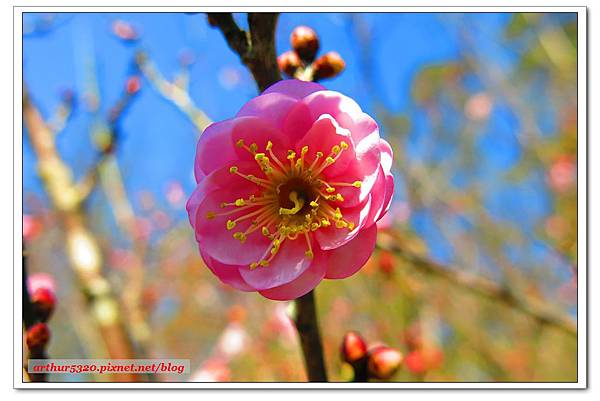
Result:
pixel 475 278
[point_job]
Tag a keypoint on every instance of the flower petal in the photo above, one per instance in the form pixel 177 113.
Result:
pixel 212 234
pixel 289 263
pixel 332 237
pixel 349 258
pixel 259 131
pixel 214 148
pixel 294 88
pixel 322 136
pixel 303 284
pixel 228 274
pixel 272 107
pixel 389 195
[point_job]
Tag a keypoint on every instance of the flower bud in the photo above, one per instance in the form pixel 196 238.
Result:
pixel 44 303
pixel 288 63
pixel 424 359
pixel 328 66
pixel 383 362
pixel 305 43
pixel 354 347
pixel 37 337
pixel 133 85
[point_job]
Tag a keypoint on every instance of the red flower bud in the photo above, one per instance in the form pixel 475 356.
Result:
pixel 383 362
pixel 354 347
pixel 37 337
pixel 44 302
pixel 133 84
pixel 328 66
pixel 32 226
pixel 125 31
pixel 289 62
pixel 305 43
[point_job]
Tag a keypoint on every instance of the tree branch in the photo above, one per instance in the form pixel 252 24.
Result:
pixel 305 319
pixel 536 310
pixel 256 49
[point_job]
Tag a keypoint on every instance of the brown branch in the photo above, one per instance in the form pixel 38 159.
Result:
pixel 480 286
pixel 82 247
pixel 256 48
pixel 172 92
pixel 305 319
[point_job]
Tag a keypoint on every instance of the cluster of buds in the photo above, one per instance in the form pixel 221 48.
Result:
pixel 43 303
pixel 300 62
pixel 378 362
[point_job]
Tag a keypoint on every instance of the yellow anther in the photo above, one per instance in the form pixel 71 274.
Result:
pixel 357 184
pixel 309 254
pixel 351 226
pixel 330 189
pixel 210 215
pixel 291 155
pixel 298 204
pixel 233 169
pixel 240 202
pixel 339 198
pixel 230 224
pixel 269 145
pixel 240 236
pixel 239 143
pixel 341 224
pixel 338 214
pixel 253 265
pixel 319 154
pixel 325 223
pixel 314 226
pixel 304 150
pixel 344 145
pixel 314 204
pixel 329 160
pixel 335 150
pixel 332 198
pixel 259 156
pixel 223 205
pixel 264 263
pixel 253 148
pixel 266 232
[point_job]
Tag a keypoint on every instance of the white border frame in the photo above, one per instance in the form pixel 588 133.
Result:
pixel 582 181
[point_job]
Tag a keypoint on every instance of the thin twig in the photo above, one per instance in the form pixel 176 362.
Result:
pixel 536 310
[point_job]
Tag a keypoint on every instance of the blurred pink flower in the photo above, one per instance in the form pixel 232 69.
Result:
pixel 289 190
pixel 232 340
pixel 125 31
pixel 562 174
pixel 175 194
pixel 32 226
pixel 478 107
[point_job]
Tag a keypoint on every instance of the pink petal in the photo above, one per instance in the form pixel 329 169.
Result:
pixel 364 168
pixel 272 107
pixel 214 148
pixel 389 195
pixel 294 88
pixel 333 237
pixel 256 130
pixel 378 198
pixel 387 156
pixel 303 284
pixel 289 263
pixel 212 235
pixel 348 259
pixel 228 274
pixel 322 136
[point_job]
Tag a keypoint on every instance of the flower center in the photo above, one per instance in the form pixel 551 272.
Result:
pixel 295 199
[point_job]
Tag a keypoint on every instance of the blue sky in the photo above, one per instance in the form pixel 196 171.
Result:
pixel 158 142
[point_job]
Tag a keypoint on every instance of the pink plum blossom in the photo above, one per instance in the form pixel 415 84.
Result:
pixel 289 190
